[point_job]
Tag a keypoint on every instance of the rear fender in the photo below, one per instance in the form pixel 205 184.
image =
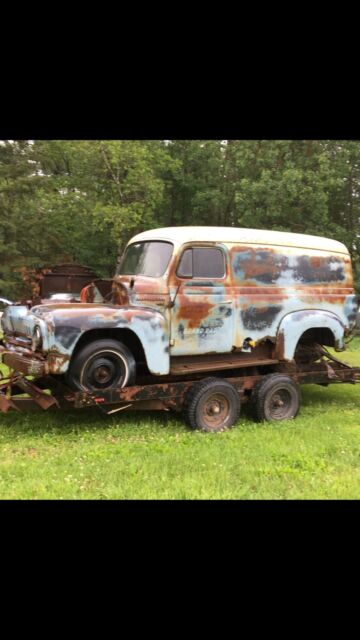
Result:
pixel 293 325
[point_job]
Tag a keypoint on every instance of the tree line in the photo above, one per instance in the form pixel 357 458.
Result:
pixel 82 200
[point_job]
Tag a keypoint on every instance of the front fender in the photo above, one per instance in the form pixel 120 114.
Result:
pixel 293 325
pixel 68 323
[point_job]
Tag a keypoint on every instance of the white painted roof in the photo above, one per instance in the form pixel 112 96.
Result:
pixel 179 235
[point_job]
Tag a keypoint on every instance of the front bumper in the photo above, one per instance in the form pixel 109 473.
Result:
pixel 24 361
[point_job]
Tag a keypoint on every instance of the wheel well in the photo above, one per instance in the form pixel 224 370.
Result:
pixel 126 336
pixel 321 335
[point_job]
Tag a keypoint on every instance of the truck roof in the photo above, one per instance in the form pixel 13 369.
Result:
pixel 235 235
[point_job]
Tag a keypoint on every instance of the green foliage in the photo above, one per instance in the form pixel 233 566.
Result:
pixel 64 200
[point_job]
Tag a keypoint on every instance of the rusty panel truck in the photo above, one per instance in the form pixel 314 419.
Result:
pixel 197 319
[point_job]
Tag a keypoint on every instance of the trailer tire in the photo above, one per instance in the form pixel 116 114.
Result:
pixel 101 365
pixel 276 397
pixel 212 405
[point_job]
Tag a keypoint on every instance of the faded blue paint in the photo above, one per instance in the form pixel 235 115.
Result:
pixel 14 320
pixel 293 325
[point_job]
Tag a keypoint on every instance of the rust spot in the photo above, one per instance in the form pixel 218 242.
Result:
pixel 263 264
pixel 87 294
pixel 120 294
pixel 280 345
pixel 315 262
pixel 193 312
pixel 251 294
pixel 6 404
pixel 27 362
pixel 314 298
pixel 56 361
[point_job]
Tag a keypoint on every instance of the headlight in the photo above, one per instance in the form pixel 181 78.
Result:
pixel 36 339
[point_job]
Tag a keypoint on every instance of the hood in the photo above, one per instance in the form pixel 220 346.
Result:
pixel 129 292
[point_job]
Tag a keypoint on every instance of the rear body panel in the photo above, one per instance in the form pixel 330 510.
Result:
pixel 263 284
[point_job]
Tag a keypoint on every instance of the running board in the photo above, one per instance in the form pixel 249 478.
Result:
pixel 188 364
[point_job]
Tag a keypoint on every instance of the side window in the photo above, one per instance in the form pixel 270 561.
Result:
pixel 202 262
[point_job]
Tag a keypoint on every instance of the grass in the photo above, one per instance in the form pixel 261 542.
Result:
pixel 84 455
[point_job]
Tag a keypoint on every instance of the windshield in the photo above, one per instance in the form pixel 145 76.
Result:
pixel 146 259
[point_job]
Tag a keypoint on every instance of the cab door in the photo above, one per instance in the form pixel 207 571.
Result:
pixel 202 315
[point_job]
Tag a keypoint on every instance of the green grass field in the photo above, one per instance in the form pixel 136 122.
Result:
pixel 83 454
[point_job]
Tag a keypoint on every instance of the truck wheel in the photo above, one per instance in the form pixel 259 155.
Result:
pixel 212 405
pixel 102 365
pixel 276 397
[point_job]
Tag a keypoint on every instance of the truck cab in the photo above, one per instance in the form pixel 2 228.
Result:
pixel 191 299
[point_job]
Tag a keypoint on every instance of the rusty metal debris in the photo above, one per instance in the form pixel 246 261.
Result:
pixel 6 404
pixel 60 282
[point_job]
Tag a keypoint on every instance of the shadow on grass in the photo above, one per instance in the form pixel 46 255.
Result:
pixel 57 421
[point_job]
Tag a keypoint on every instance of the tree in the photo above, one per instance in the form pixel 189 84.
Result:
pixel 71 200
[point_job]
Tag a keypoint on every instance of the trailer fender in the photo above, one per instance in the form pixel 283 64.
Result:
pixel 293 325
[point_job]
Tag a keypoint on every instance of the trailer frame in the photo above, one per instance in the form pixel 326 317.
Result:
pixel 171 393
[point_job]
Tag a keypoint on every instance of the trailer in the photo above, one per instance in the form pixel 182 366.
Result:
pixel 210 397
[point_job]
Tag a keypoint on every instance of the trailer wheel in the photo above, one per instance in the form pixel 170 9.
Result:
pixel 276 397
pixel 101 365
pixel 212 405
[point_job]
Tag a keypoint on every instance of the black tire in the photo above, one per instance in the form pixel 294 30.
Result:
pixel 212 405
pixel 101 365
pixel 276 397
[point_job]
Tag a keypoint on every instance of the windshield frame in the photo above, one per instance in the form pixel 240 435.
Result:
pixel 147 241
